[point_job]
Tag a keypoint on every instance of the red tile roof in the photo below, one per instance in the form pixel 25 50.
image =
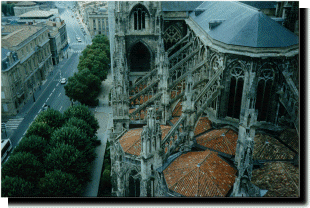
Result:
pixel 214 140
pixel 290 137
pixel 203 125
pixel 281 179
pixel 268 148
pixel 131 140
pixel 200 174
pixel 177 110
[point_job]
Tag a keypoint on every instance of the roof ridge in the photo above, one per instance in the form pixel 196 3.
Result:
pixel 247 6
pixel 12 33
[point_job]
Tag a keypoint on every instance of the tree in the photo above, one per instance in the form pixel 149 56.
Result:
pixel 33 144
pixel 24 165
pixel 60 184
pixel 96 57
pixel 83 87
pixel 81 125
pixel 7 9
pixel 16 187
pixel 105 184
pixel 68 159
pixel 40 129
pixel 82 112
pixel 51 117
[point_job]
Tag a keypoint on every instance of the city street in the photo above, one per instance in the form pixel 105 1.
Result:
pixel 51 92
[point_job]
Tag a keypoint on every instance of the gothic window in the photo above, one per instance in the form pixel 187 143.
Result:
pixel 134 185
pixel 171 36
pixel 139 15
pixel 235 94
pixel 264 88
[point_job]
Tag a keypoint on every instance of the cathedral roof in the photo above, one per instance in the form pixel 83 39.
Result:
pixel 202 174
pixel 281 179
pixel 131 140
pixel 179 5
pixel 202 126
pixel 235 23
pixel 222 140
pixel 269 148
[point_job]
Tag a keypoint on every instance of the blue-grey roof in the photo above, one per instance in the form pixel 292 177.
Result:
pixel 4 53
pixel 243 25
pixel 179 5
pixel 261 4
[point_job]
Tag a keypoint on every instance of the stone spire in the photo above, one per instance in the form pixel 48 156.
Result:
pixel 151 152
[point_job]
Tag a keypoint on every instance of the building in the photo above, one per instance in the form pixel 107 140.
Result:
pixel 37 16
pixel 58 40
pixel 205 100
pixel 26 61
pixel 24 7
pixel 98 22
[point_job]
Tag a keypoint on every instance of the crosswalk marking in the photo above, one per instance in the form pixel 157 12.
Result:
pixel 14 123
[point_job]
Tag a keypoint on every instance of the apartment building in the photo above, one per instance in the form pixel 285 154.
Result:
pixel 26 61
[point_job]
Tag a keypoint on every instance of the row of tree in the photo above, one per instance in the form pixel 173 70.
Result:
pixel 53 158
pixel 93 68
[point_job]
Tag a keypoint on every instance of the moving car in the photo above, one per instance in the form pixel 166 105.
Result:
pixel 45 107
pixel 63 81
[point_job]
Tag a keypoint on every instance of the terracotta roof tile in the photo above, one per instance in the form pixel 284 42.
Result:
pixel 177 110
pixel 200 174
pixel 290 137
pixel 203 125
pixel 214 140
pixel 268 148
pixel 131 142
pixel 281 179
pixel 174 120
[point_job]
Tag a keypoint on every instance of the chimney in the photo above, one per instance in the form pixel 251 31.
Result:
pixel 199 11
pixel 214 23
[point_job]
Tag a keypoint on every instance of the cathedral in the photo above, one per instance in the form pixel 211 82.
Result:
pixel 205 101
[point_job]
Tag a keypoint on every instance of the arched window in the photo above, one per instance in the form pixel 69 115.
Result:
pixel 139 16
pixel 134 185
pixel 139 58
pixel 236 88
pixel 171 36
pixel 264 88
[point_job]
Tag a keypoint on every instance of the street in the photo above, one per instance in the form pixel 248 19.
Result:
pixel 51 92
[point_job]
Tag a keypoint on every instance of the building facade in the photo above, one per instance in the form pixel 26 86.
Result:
pixel 58 40
pixel 26 62
pixel 98 22
pixel 198 103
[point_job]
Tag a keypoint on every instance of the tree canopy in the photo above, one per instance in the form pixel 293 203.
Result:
pixel 16 187
pixel 51 117
pixel 83 87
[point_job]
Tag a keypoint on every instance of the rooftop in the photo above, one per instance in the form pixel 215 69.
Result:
pixel 179 5
pixel 239 24
pixel 38 14
pixel 25 3
pixel 20 34
pixel 202 174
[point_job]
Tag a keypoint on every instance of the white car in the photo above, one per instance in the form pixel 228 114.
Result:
pixel 63 81
pixel 79 40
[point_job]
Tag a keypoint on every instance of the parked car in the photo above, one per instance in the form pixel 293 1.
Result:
pixel 79 40
pixel 63 81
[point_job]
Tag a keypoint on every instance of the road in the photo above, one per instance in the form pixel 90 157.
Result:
pixel 51 92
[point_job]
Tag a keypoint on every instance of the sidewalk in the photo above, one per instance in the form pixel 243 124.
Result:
pixel 102 114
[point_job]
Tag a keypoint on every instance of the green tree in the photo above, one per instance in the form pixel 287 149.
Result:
pixel 16 187
pixel 33 144
pixel 60 184
pixel 105 184
pixel 82 112
pixel 81 125
pixel 24 165
pixel 96 57
pixel 68 159
pixel 40 129
pixel 83 87
pixel 52 117
pixel 7 9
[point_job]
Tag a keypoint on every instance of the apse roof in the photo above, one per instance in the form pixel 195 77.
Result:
pixel 202 174
pixel 243 25
pixel 179 5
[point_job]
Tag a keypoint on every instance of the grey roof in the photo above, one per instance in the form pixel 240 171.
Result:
pixel 179 5
pixel 261 4
pixel 243 25
pixel 4 53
